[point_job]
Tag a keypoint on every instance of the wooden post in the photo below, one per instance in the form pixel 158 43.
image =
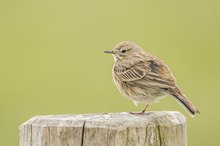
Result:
pixel 107 129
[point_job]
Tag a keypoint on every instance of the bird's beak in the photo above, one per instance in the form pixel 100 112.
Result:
pixel 109 51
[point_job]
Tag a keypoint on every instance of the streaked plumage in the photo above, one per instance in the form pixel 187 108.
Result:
pixel 143 77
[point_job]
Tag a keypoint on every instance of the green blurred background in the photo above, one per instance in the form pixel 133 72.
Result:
pixel 52 60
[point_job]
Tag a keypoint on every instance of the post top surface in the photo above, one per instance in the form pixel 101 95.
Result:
pixel 111 120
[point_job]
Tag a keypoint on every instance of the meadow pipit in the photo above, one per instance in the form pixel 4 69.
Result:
pixel 144 78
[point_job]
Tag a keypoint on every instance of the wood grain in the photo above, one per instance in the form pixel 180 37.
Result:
pixel 109 129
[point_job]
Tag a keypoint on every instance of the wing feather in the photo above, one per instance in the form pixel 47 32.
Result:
pixel 130 74
pixel 152 71
pixel 160 74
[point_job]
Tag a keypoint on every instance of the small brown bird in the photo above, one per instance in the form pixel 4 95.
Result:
pixel 144 78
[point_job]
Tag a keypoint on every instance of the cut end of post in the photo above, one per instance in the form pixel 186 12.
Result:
pixel 167 128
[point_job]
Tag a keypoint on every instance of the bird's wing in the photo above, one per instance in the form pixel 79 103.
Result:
pixel 149 72
pixel 133 73
pixel 159 73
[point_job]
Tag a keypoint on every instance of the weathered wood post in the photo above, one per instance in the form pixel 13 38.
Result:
pixel 107 129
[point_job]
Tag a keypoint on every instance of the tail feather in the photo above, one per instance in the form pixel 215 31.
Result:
pixel 184 101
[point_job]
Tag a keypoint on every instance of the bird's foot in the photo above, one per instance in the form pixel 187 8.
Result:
pixel 141 113
pixel 137 113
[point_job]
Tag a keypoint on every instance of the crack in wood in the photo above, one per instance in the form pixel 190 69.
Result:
pixel 83 130
pixel 159 129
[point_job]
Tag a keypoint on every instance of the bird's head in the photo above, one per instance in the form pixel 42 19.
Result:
pixel 124 49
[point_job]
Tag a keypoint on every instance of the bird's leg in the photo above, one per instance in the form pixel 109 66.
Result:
pixel 142 112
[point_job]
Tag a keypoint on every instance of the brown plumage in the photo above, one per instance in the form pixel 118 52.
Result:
pixel 143 77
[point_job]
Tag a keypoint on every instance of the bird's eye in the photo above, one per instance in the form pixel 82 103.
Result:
pixel 123 50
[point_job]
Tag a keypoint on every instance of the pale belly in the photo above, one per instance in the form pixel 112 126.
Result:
pixel 139 94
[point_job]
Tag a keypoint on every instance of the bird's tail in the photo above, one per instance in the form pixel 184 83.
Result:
pixel 184 101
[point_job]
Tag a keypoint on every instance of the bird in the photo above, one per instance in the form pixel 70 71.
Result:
pixel 144 78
